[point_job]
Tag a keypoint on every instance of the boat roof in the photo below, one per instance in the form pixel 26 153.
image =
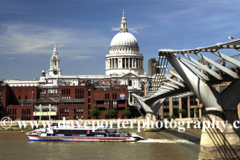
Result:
pixel 86 128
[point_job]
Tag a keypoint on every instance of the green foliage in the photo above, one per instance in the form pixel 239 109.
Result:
pixel 95 111
pixel 182 111
pixel 195 110
pixel 111 113
pixel 127 112
pixel 171 117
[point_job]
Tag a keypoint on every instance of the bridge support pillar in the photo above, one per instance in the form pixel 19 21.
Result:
pixel 221 142
pixel 215 143
pixel 149 118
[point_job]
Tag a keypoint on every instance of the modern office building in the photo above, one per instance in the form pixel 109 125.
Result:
pixel 152 67
pixel 193 107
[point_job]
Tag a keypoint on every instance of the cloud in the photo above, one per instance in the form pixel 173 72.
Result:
pixel 23 39
pixel 136 29
pixel 115 29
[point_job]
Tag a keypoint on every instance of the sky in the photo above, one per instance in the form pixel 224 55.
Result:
pixel 83 30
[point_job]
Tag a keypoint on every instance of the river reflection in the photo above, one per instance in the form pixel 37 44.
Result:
pixel 16 145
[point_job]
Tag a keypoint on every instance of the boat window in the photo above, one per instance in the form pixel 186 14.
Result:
pixel 71 131
pixel 102 131
pixel 33 132
pixel 54 124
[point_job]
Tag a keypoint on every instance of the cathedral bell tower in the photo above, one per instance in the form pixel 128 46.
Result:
pixel 55 70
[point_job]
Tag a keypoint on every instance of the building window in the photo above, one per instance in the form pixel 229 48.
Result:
pixel 78 110
pixel 122 102
pixel 114 103
pixel 114 96
pixel 79 93
pixel 175 101
pixel 130 83
pixel 106 95
pixel 106 103
pixel 99 102
pixel 76 117
pixel 66 91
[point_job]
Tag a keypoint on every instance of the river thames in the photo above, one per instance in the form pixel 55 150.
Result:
pixel 16 145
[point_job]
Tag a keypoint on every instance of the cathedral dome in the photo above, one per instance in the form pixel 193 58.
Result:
pixel 124 56
pixel 124 38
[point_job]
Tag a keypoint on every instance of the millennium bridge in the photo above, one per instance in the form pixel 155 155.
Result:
pixel 198 77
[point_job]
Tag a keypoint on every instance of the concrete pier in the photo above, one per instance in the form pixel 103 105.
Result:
pixel 152 118
pixel 220 143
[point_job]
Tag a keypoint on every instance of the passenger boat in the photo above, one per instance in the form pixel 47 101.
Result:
pixel 57 133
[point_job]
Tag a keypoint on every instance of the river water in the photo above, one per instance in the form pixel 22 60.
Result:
pixel 16 145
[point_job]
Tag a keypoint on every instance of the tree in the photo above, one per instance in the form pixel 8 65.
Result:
pixel 171 117
pixel 111 113
pixel 95 111
pixel 196 110
pixel 182 111
pixel 127 112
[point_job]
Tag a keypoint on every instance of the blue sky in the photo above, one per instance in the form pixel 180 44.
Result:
pixel 83 31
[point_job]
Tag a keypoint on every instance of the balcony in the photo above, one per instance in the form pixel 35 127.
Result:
pixel 72 100
pixel 44 113
pixel 26 101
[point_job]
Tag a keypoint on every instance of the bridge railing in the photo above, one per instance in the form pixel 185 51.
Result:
pixel 223 62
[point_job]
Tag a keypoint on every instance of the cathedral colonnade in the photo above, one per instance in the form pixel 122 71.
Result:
pixel 114 63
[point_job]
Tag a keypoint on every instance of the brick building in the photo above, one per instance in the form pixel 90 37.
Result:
pixel 50 101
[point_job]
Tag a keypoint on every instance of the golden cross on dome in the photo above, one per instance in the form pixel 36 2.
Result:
pixel 55 46
pixel 123 13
